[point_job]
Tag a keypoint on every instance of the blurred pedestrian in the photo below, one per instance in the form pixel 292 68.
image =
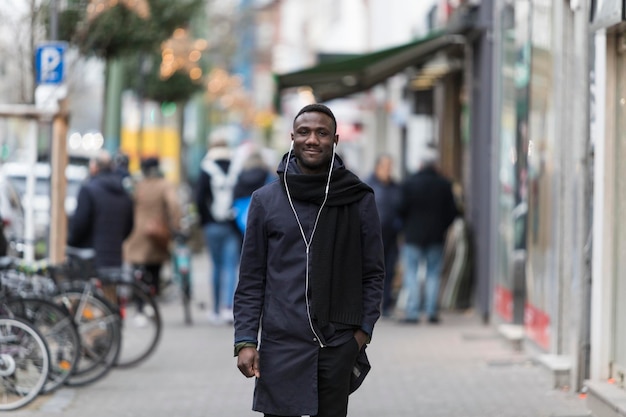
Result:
pixel 104 214
pixel 121 164
pixel 157 219
pixel 311 278
pixel 254 174
pixel 387 193
pixel 214 200
pixel 428 208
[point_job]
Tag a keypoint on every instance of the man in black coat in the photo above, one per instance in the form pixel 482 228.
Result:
pixel 104 213
pixel 428 208
pixel 310 280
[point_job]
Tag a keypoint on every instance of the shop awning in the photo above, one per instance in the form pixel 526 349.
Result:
pixel 352 75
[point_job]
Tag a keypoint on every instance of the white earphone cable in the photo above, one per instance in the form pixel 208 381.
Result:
pixel 307 242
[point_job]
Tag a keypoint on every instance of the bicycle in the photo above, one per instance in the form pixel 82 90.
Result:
pixel 53 321
pixel 56 326
pixel 125 288
pixel 24 363
pixel 99 326
pixel 181 272
pixel 140 315
pixel 95 319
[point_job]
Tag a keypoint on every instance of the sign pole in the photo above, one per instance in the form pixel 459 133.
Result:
pixel 58 185
pixel 29 213
pixel 51 94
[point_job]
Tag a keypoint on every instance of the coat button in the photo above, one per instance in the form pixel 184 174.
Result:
pixel 315 339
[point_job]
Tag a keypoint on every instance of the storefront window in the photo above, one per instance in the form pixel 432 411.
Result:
pixel 542 175
pixel 619 321
pixel 511 193
pixel 506 173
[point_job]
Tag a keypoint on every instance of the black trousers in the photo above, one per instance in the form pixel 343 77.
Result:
pixel 334 370
pixel 153 277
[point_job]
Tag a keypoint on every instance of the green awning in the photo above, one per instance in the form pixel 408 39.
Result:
pixel 352 75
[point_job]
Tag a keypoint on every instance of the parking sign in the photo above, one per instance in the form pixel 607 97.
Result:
pixel 49 62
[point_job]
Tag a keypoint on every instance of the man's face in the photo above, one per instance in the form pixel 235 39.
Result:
pixel 313 139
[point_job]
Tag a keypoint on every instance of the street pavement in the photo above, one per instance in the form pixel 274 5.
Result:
pixel 459 367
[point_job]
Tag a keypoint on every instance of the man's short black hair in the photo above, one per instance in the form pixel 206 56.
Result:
pixel 320 108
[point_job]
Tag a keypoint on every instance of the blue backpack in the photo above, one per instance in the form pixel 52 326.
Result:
pixel 240 207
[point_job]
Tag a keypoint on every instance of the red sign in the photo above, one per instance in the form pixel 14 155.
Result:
pixel 537 325
pixel 503 302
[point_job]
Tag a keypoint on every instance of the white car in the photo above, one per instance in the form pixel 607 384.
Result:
pixel 17 172
pixel 12 214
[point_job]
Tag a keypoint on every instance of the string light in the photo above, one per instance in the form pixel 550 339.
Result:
pixel 180 52
pixel 97 7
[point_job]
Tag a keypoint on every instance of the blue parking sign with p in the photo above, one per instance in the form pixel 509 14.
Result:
pixel 49 63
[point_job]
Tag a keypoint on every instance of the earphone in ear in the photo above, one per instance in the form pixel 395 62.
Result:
pixel 291 146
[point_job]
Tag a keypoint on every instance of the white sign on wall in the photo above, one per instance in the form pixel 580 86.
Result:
pixel 420 136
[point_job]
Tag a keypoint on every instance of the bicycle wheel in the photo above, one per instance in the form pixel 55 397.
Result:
pixel 141 321
pixel 98 325
pixel 24 363
pixel 57 327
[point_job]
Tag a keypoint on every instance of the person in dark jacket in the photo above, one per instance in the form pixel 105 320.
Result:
pixel 253 176
pixel 428 208
pixel 104 214
pixel 311 278
pixel 387 192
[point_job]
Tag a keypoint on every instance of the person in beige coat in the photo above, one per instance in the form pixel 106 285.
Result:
pixel 157 218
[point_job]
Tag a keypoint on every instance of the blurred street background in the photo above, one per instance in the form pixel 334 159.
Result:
pixel 524 100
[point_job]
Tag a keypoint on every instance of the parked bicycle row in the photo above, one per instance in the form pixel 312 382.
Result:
pixel 70 324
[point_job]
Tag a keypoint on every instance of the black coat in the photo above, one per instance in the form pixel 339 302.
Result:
pixel 271 296
pixel 387 202
pixel 427 207
pixel 250 180
pixel 103 218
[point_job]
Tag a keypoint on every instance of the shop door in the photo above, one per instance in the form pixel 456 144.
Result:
pixel 619 320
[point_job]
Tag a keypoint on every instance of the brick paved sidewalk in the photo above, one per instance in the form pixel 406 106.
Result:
pixel 459 368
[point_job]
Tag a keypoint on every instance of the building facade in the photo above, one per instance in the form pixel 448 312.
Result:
pixel 543 194
pixel 607 385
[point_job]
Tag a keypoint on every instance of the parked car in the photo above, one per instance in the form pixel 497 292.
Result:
pixel 16 173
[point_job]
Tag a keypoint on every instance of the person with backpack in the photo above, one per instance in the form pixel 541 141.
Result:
pixel 214 201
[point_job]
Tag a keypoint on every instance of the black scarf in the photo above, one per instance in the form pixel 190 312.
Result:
pixel 336 274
